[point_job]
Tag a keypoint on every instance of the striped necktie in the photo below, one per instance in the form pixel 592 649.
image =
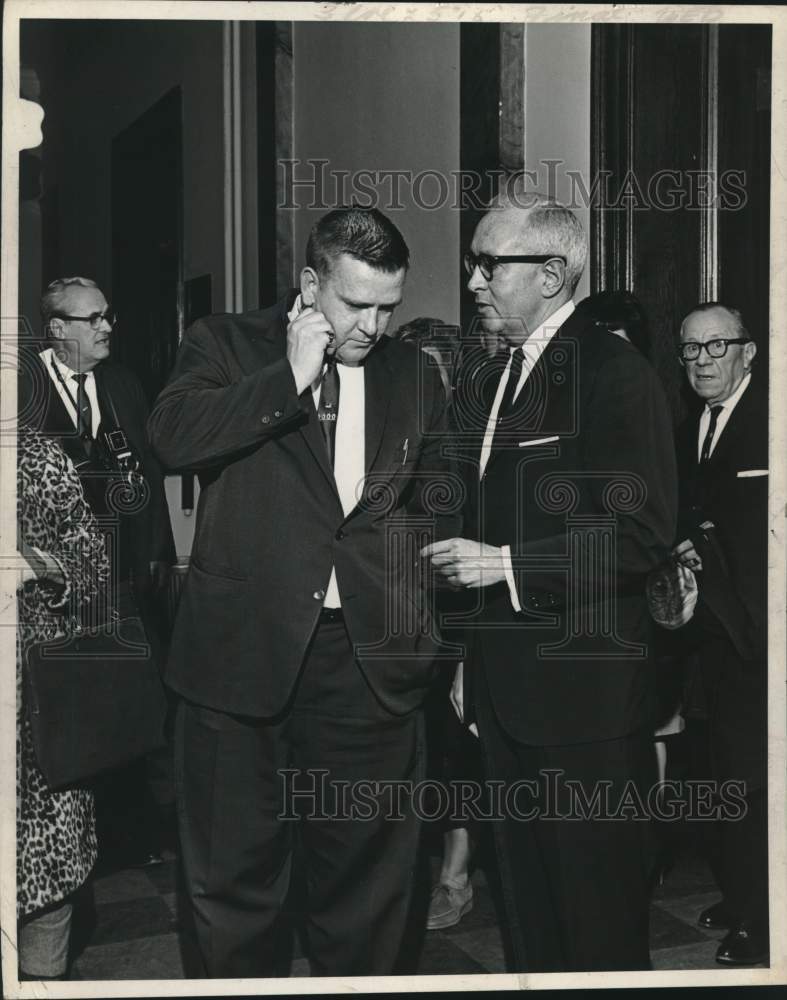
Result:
pixel 328 410
pixel 706 444
pixel 84 409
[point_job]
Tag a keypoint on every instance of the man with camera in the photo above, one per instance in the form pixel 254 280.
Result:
pixel 723 466
pixel 97 411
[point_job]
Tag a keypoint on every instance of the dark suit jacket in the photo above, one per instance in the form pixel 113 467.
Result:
pixel 146 532
pixel 737 505
pixel 612 461
pixel 270 524
pixel 729 629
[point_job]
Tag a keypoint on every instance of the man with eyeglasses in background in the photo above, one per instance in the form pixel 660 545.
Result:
pixel 97 411
pixel 723 469
pixel 557 677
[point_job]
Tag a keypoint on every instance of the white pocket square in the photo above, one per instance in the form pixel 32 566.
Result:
pixel 529 444
pixel 751 473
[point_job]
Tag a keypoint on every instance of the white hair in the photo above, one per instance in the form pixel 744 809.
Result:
pixel 550 226
pixel 52 299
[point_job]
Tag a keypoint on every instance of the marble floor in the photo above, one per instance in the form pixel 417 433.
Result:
pixel 128 926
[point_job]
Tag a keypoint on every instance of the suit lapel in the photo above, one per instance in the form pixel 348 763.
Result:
pixel 727 443
pixel 309 429
pixel 536 399
pixel 377 391
pixel 312 435
pixel 106 400
pixel 58 422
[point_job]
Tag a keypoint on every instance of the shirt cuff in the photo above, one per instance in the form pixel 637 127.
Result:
pixel 509 571
pixel 40 555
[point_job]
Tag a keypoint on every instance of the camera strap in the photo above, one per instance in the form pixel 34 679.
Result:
pixel 66 389
pixel 83 412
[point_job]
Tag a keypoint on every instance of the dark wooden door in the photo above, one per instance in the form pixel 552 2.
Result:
pixel 147 245
pixel 680 155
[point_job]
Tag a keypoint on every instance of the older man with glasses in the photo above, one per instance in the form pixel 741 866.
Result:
pixel 96 409
pixel 572 497
pixel 723 466
pixel 88 399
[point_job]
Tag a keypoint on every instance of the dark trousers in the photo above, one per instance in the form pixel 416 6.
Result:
pixel 744 863
pixel 575 890
pixel 237 848
pixel 128 812
pixel 736 696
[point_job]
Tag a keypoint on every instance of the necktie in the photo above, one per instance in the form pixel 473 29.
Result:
pixel 84 409
pixel 706 444
pixel 328 410
pixel 506 402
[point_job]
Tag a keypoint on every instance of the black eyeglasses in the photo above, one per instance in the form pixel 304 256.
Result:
pixel 94 319
pixel 486 262
pixel 717 348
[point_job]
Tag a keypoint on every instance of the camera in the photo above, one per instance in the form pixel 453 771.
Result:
pixel 119 455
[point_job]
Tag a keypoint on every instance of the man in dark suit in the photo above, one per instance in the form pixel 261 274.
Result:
pixel 571 478
pixel 303 639
pixel 97 411
pixel 723 466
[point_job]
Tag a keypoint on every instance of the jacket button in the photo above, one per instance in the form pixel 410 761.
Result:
pixel 277 413
pixel 340 535
pixel 319 595
pixel 265 420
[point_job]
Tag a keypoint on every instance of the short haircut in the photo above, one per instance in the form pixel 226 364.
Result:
pixel 737 317
pixel 363 233
pixel 551 227
pixel 52 299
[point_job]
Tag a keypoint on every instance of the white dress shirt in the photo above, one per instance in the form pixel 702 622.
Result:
pixel 68 391
pixel 532 348
pixel 349 466
pixel 721 421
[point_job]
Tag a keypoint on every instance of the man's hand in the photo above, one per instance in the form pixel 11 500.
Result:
pixel 308 337
pixel 687 555
pixel 464 564
pixel 672 595
pixel 457 696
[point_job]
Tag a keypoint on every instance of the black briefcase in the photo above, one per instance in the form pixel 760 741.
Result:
pixel 95 700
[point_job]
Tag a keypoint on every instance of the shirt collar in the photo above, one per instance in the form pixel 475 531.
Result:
pixel 48 356
pixel 731 402
pixel 543 333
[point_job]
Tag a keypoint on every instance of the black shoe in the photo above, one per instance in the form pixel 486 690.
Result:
pixel 717 917
pixel 743 946
pixel 147 859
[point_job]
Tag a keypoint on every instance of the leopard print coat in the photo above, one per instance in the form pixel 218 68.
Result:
pixel 56 831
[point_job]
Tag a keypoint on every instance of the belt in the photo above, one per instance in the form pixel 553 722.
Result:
pixel 328 615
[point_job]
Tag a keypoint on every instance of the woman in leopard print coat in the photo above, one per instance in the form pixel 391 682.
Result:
pixel 66 566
